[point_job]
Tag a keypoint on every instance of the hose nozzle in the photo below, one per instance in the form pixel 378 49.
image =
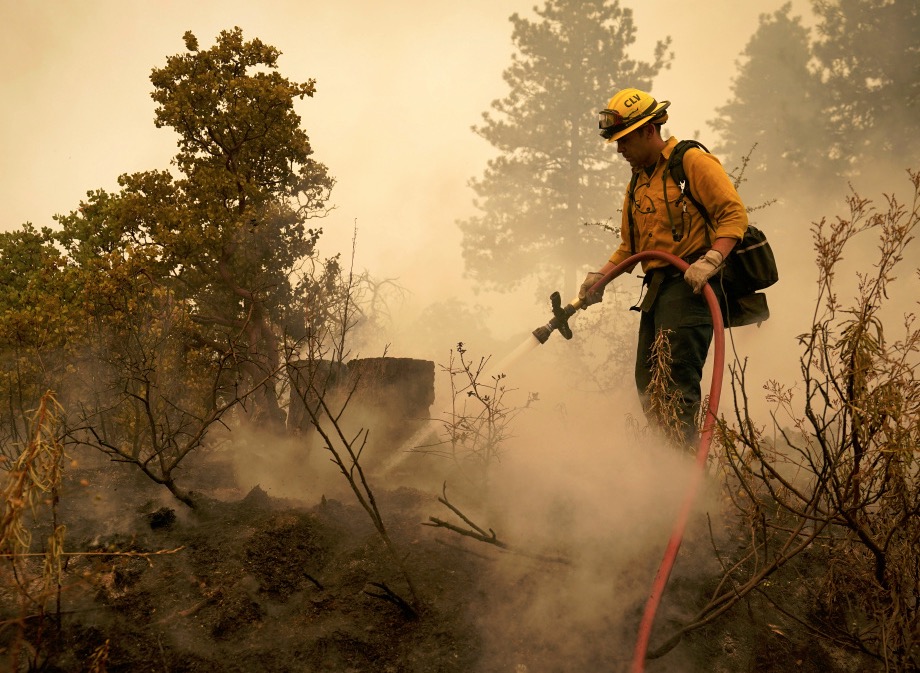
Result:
pixel 542 333
pixel 560 319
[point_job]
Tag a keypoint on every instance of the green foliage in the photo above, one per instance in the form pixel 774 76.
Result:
pixel 155 309
pixel 552 174
pixel 249 183
pixel 226 237
pixel 40 327
pixel 238 133
pixel 32 293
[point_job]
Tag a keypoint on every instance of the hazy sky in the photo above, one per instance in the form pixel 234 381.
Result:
pixel 399 84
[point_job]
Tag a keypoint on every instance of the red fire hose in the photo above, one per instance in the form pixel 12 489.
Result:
pixel 715 391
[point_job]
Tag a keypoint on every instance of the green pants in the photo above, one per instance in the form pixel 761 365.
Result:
pixel 688 323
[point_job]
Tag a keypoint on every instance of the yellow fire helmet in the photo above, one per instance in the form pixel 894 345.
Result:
pixel 628 110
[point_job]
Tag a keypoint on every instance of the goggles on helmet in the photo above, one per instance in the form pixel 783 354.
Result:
pixel 611 122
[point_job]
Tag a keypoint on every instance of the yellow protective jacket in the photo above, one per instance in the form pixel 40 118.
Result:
pixel 654 229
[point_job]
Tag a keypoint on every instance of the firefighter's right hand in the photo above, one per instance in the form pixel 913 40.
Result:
pixel 590 281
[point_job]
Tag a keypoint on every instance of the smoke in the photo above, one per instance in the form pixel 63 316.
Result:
pixel 97 489
pixel 286 468
pixel 576 484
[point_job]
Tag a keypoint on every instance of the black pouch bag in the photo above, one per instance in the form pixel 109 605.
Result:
pixel 750 267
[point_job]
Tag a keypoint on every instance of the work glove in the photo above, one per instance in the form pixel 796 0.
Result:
pixel 699 273
pixel 590 280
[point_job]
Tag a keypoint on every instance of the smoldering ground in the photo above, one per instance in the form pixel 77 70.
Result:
pixel 574 483
pixel 588 492
pixel 584 504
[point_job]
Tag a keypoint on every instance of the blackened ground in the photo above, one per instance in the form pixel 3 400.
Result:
pixel 258 584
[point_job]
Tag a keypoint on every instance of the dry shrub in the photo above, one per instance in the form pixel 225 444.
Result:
pixel 478 424
pixel 663 396
pixel 30 487
pixel 837 473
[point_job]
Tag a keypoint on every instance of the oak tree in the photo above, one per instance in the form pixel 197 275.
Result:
pixel 229 231
pixel 155 309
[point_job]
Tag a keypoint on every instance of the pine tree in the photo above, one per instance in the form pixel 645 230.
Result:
pixel 868 54
pixel 775 105
pixel 553 174
pixel 829 106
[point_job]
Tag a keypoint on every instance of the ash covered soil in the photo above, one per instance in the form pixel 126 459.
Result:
pixel 248 582
pixel 260 585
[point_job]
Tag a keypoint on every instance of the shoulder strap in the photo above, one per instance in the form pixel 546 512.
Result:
pixel 676 160
pixel 676 169
pixel 629 213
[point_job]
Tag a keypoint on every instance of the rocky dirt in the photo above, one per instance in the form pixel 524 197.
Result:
pixel 249 582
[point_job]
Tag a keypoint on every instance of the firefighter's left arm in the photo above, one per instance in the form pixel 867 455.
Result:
pixel 713 188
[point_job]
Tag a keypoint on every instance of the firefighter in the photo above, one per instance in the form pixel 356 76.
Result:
pixel 663 219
